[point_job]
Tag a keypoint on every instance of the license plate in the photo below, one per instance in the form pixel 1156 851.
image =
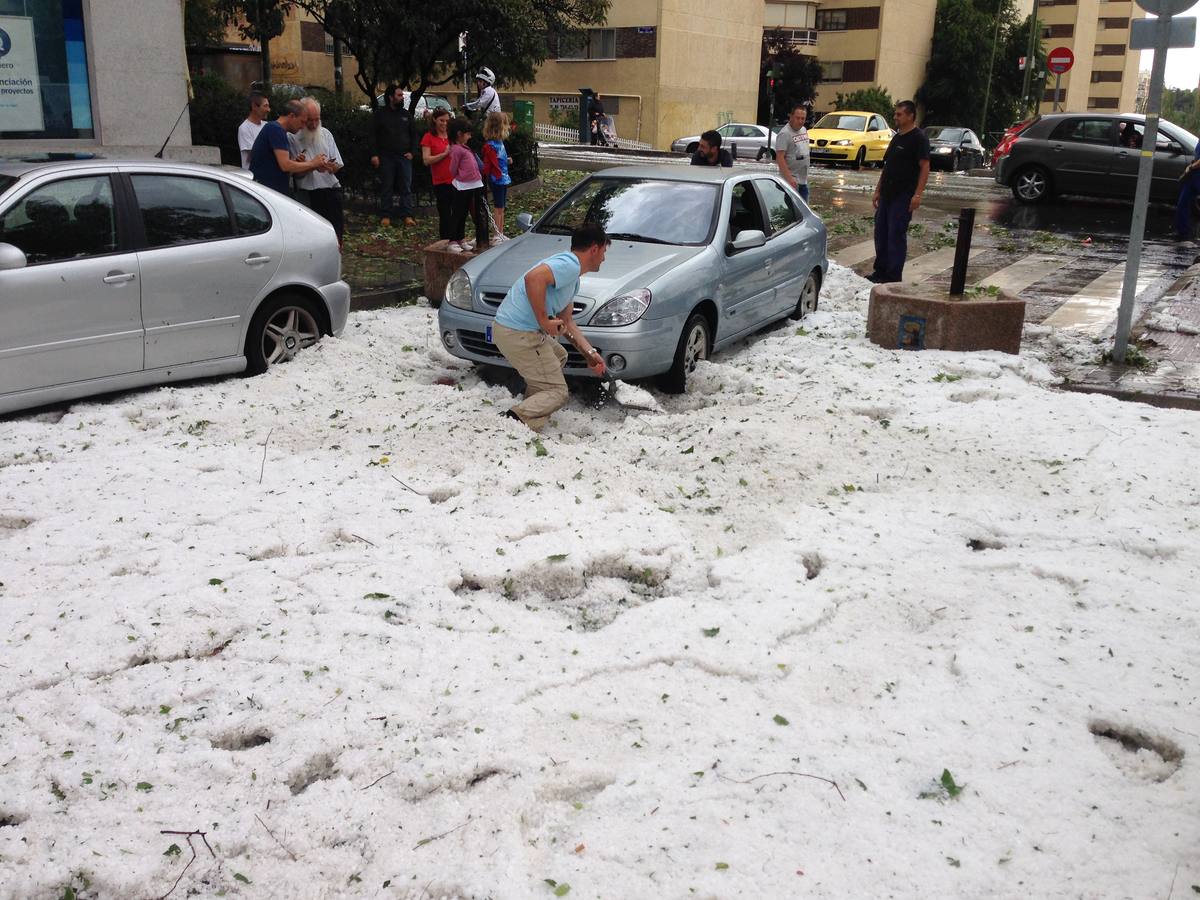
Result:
pixel 488 334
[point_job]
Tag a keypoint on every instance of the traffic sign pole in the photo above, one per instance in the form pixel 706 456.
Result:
pixel 1137 229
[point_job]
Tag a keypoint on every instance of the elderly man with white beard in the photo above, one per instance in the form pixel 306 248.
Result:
pixel 323 189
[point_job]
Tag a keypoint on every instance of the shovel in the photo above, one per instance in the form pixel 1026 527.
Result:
pixel 635 397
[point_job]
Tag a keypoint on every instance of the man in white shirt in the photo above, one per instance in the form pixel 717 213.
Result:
pixel 321 184
pixel 260 108
pixel 488 100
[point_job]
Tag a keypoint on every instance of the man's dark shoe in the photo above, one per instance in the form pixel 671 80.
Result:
pixel 874 278
pixel 509 414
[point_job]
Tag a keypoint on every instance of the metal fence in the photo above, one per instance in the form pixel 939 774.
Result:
pixel 555 134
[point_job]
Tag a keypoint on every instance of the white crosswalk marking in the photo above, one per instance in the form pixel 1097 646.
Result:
pixel 932 263
pixel 1093 309
pixel 854 254
pixel 1024 272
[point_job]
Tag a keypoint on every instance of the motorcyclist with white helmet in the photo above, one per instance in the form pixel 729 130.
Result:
pixel 488 100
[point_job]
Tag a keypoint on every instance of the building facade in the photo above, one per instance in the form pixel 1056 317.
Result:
pixel 1105 74
pixel 75 77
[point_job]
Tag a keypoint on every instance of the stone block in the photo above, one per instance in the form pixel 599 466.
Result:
pixel 918 317
pixel 440 264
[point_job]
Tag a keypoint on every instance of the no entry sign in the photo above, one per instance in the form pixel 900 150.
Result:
pixel 1060 60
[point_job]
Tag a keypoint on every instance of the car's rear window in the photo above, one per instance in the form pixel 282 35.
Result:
pixel 656 212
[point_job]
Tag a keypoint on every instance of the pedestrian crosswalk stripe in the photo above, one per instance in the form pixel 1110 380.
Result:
pixel 932 263
pixel 1024 272
pixel 854 254
pixel 1093 309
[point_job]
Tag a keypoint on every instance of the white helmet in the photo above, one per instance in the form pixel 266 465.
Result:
pixel 486 74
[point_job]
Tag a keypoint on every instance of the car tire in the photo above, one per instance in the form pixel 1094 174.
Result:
pixel 695 343
pixel 809 294
pixel 692 148
pixel 1031 184
pixel 281 328
pixel 861 159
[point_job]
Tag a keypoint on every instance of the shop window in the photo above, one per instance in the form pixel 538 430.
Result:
pixel 44 87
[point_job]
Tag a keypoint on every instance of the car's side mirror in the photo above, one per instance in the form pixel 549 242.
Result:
pixel 1174 148
pixel 524 221
pixel 748 240
pixel 12 257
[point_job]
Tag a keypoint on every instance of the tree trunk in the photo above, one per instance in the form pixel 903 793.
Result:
pixel 266 65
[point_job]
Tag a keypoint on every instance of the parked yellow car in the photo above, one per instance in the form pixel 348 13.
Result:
pixel 850 136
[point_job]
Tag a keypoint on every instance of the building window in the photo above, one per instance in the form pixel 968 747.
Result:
pixel 1058 31
pixel 831 20
pixel 1100 75
pixel 790 15
pixel 831 72
pixel 858 70
pixel 329 46
pixel 1118 22
pixel 44 87
pixel 1110 50
pixel 1103 102
pixel 591 43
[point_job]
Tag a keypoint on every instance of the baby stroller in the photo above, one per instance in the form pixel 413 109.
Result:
pixel 603 131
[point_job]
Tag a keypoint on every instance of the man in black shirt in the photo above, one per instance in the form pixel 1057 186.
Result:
pixel 710 152
pixel 392 141
pixel 898 194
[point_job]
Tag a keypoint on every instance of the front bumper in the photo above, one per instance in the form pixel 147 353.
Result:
pixel 337 301
pixel 647 346
pixel 832 154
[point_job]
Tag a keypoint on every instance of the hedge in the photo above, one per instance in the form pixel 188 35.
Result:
pixel 218 109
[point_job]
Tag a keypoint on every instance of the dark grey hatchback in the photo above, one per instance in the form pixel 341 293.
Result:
pixel 1093 154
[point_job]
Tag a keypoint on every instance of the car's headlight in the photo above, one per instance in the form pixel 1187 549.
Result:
pixel 623 310
pixel 458 290
pixel 841 143
pixel 942 150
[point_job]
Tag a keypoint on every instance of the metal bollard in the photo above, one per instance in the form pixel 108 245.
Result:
pixel 962 250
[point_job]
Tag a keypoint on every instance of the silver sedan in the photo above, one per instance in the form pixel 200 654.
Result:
pixel 750 141
pixel 700 257
pixel 116 275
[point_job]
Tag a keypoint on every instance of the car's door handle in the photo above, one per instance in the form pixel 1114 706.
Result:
pixel 119 277
pixel 1058 148
pixel 257 259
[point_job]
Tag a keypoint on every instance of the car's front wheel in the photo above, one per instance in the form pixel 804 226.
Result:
pixel 695 343
pixel 861 158
pixel 282 327
pixel 809 295
pixel 1031 184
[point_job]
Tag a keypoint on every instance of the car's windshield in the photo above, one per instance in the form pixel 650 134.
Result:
pixel 638 209
pixel 725 130
pixel 939 133
pixel 843 122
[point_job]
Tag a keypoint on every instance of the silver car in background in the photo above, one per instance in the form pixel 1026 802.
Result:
pixel 700 257
pixel 118 274
pixel 750 141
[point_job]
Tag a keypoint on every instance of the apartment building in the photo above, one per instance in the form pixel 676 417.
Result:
pixel 1105 74
pixel 664 68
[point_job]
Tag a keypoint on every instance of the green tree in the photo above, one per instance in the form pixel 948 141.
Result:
pixel 418 44
pixel 872 99
pixel 203 23
pixel 957 86
pixel 796 76
pixel 1182 106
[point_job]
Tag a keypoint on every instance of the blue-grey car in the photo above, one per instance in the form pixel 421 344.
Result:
pixel 118 274
pixel 699 258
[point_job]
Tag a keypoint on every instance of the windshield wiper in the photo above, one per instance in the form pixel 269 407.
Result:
pixel 630 236
pixel 553 229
